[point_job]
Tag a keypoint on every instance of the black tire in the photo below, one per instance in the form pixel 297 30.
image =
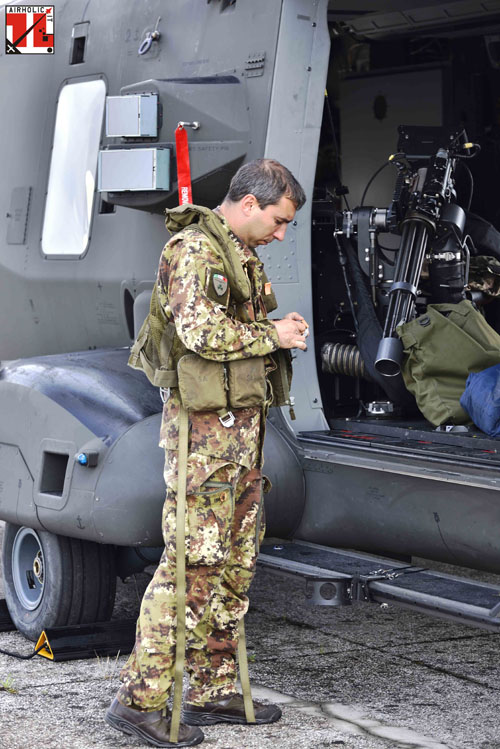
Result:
pixel 52 581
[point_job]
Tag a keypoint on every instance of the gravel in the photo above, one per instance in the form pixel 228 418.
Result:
pixel 361 677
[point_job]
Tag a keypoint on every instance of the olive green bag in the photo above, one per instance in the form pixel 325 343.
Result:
pixel 442 347
pixel 246 380
pixel 206 385
pixel 202 384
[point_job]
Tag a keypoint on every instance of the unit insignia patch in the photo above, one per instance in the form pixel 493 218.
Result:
pixel 220 284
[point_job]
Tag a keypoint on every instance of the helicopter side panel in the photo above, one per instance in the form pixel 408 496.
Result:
pixel 86 300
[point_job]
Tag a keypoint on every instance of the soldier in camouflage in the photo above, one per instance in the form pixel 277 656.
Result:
pixel 224 518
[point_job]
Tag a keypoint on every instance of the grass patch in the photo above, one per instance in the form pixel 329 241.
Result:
pixel 7 685
pixel 107 667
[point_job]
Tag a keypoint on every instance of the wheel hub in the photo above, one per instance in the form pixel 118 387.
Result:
pixel 28 568
pixel 38 567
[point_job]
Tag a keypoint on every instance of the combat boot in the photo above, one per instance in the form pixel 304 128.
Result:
pixel 152 726
pixel 229 710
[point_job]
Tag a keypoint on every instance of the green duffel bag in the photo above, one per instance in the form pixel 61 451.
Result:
pixel 442 347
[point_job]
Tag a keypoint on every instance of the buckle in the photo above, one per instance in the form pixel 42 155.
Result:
pixel 227 420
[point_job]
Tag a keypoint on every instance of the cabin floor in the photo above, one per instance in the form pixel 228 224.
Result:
pixel 417 437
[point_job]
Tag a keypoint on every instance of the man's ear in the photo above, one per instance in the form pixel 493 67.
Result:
pixel 249 204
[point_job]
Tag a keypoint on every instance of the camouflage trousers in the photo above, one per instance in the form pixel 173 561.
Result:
pixel 224 527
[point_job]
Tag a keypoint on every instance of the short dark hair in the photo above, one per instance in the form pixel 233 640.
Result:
pixel 268 180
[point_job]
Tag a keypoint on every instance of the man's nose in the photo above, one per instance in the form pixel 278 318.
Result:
pixel 280 232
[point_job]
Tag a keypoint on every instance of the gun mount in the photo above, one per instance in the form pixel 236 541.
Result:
pixel 424 212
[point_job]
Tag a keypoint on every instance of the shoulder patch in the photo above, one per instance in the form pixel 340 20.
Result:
pixel 217 287
pixel 219 283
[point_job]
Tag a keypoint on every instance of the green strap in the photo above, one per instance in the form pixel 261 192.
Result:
pixel 284 383
pixel 245 681
pixel 180 551
pixel 161 378
pixel 166 378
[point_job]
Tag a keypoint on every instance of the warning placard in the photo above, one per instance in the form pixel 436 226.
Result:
pixel 29 29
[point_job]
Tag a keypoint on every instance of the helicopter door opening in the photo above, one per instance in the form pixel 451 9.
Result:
pixel 443 80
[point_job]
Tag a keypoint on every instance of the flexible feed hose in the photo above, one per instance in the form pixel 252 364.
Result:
pixel 343 359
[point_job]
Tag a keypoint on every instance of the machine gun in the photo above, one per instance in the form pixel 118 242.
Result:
pixel 431 223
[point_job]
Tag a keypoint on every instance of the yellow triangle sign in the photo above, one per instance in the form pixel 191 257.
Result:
pixel 46 650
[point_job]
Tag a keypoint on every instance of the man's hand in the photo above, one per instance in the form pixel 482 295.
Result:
pixel 295 316
pixel 291 331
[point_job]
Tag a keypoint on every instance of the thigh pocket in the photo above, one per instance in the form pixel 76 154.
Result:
pixel 209 516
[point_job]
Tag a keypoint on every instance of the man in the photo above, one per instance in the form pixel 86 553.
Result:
pixel 212 292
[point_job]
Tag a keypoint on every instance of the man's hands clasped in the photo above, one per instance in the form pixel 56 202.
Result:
pixel 292 331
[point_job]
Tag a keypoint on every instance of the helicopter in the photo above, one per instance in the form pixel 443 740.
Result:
pixel 332 90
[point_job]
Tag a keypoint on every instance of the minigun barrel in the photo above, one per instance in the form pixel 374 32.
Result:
pixel 402 294
pixel 420 222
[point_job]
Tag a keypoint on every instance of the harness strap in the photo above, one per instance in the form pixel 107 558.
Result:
pixel 166 378
pixel 245 681
pixel 284 384
pixel 180 550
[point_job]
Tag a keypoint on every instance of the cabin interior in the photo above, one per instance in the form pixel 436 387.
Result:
pixel 387 70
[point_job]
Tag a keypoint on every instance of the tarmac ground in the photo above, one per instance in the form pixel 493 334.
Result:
pixel 360 677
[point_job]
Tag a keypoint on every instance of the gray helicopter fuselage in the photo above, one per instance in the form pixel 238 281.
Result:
pixel 78 263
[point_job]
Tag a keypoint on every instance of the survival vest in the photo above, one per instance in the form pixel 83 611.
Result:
pixel 158 350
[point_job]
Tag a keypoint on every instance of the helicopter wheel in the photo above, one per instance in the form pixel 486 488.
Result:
pixel 52 581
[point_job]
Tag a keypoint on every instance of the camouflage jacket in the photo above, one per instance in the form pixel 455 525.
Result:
pixel 207 323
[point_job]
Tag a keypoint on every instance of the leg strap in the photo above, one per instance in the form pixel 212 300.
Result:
pixel 180 551
pixel 245 681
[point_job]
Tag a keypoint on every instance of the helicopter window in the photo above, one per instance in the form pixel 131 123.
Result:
pixel 71 188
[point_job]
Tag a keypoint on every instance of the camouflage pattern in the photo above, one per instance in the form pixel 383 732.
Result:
pixel 484 275
pixel 224 522
pixel 204 324
pixel 224 527
pixel 208 328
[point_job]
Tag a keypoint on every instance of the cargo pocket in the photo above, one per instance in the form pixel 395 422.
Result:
pixel 209 516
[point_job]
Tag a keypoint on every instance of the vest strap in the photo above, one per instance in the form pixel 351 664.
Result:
pixel 180 573
pixel 165 378
pixel 244 679
pixel 284 384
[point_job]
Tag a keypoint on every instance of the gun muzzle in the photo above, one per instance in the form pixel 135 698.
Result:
pixel 389 357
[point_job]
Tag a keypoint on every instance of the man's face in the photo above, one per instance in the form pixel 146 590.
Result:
pixel 266 224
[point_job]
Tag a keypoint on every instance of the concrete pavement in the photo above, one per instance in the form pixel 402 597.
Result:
pixel 360 677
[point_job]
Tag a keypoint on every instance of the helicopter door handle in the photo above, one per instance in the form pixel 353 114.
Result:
pixel 193 125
